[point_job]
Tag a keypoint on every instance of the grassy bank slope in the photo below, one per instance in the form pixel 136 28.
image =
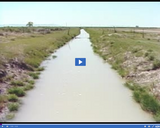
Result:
pixel 32 50
pixel 19 64
pixel 136 58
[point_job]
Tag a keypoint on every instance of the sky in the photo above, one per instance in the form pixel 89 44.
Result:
pixel 122 14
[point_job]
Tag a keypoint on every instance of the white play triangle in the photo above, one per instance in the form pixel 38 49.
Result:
pixel 80 61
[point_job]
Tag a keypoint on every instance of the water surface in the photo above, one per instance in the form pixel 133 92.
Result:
pixel 66 92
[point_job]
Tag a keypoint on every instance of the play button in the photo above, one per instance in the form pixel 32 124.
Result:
pixel 80 61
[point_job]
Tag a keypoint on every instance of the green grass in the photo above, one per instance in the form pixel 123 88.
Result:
pixel 31 51
pixel 118 46
pixel 28 87
pixel 147 101
pixel 34 75
pixel 10 116
pixel 156 64
pixel 31 82
pixel 151 57
pixel 146 54
pixel 40 69
pixel 17 91
pixel 13 106
pixel 54 56
pixel 18 83
pixel 128 46
pixel 35 50
pixel 12 98
pixel 137 96
pixel 135 50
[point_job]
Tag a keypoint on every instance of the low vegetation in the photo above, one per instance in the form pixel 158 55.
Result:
pixel 54 56
pixel 40 69
pixel 34 75
pixel 28 87
pixel 22 50
pixel 13 106
pixel 135 56
pixel 17 91
pixel 18 83
pixel 12 98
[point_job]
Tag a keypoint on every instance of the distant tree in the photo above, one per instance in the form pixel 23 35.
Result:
pixel 137 26
pixel 29 24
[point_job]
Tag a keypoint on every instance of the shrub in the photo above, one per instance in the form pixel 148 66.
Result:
pixel 146 54
pixel 40 69
pixel 137 96
pixel 54 56
pixel 139 54
pixel 34 75
pixel 157 116
pixel 13 106
pixel 10 116
pixel 149 103
pixel 31 82
pixel 151 57
pixel 12 98
pixel 122 72
pixel 135 50
pixel 156 64
pixel 127 84
pixel 28 87
pixel 150 50
pixel 114 67
pixel 19 83
pixel 17 91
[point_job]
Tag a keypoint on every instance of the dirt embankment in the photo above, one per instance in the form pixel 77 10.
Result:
pixel 20 61
pixel 136 58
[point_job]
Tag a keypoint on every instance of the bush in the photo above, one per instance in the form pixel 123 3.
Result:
pixel 54 56
pixel 13 106
pixel 17 91
pixel 129 86
pixel 150 50
pixel 18 83
pixel 10 116
pixel 28 87
pixel 156 64
pixel 151 57
pixel 135 50
pixel 149 103
pixel 34 75
pixel 115 66
pixel 157 116
pixel 31 82
pixel 137 96
pixel 122 72
pixel 146 54
pixel 12 98
pixel 40 69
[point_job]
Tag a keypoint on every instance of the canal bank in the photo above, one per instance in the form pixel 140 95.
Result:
pixel 66 92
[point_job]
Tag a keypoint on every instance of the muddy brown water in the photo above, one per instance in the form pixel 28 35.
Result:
pixel 66 92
